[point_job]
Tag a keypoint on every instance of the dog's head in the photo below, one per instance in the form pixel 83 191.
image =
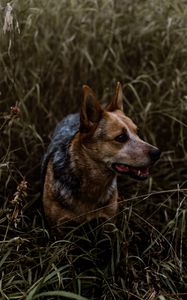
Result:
pixel 110 137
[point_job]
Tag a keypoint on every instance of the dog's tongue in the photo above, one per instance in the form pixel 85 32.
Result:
pixel 122 168
pixel 141 172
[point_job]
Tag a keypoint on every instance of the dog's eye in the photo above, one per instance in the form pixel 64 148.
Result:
pixel 122 138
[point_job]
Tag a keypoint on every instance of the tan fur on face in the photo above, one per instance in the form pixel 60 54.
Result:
pixel 103 146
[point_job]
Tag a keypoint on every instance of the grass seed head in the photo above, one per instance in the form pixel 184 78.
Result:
pixel 15 111
pixel 8 19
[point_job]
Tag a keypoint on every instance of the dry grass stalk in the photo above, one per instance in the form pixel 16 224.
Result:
pixel 18 201
pixel 8 20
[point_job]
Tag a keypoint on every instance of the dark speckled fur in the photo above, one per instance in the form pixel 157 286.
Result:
pixel 58 154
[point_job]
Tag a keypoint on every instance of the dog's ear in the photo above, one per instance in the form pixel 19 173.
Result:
pixel 117 100
pixel 91 111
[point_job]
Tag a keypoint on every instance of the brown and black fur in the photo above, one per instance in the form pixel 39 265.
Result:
pixel 80 179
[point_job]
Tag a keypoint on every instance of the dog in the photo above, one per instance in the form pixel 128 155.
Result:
pixel 86 154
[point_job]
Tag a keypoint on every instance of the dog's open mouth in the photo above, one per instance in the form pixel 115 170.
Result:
pixel 136 173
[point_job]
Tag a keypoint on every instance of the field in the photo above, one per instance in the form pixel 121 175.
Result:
pixel 48 50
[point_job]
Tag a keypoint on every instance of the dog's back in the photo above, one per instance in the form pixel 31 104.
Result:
pixel 58 148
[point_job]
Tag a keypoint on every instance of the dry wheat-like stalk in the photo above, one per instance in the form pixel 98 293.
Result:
pixel 18 202
pixel 8 20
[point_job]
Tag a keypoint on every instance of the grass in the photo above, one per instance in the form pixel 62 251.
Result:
pixel 54 48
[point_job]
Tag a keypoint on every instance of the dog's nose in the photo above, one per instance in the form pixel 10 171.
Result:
pixel 154 154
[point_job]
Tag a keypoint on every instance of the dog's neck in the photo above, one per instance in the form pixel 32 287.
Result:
pixel 97 183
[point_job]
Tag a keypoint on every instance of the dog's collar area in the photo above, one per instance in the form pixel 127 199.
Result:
pixel 136 173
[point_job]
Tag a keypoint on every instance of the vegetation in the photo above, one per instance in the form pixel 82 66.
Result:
pixel 47 52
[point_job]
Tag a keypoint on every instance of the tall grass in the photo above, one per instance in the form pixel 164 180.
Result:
pixel 51 50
